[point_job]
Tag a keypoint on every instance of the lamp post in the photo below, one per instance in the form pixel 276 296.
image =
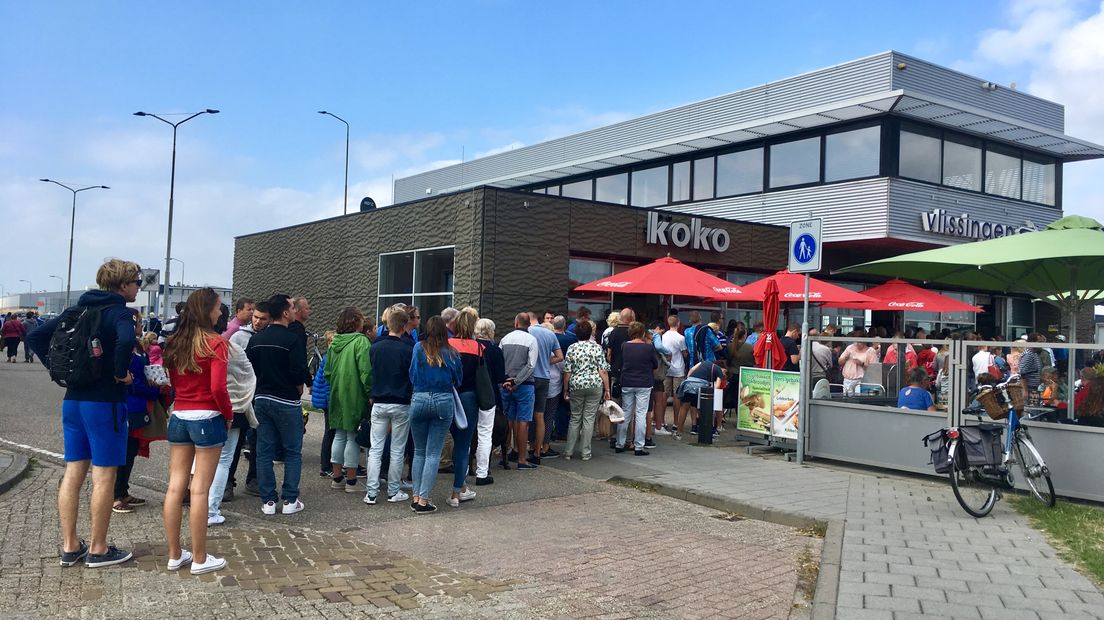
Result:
pixel 181 276
pixel 172 187
pixel 346 156
pixel 72 228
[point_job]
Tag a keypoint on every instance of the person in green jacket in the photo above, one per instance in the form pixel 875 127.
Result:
pixel 348 370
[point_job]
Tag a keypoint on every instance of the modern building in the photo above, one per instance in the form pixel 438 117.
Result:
pixel 893 153
pixel 53 302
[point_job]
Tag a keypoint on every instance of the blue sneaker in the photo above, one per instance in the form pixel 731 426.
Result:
pixel 527 466
pixel 69 558
pixel 112 557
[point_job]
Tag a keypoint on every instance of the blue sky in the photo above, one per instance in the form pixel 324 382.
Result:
pixel 420 83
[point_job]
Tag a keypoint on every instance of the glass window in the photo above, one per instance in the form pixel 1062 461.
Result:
pixel 680 181
pixel 554 190
pixel 614 188
pixel 433 271
pixel 1002 174
pixel 430 305
pixel 795 163
pixel 581 270
pixel 703 178
pixel 396 273
pixel 961 166
pixel 852 154
pixel 919 157
pixel 1038 181
pixel 740 172
pixel 649 187
pixel 579 189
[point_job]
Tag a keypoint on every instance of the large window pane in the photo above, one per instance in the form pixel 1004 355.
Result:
pixel 578 189
pixel 740 173
pixel 961 166
pixel 1038 181
pixel 795 163
pixel 431 305
pixel 554 190
pixel 396 273
pixel 1002 174
pixel 580 271
pixel 613 188
pixel 852 154
pixel 919 157
pixel 680 181
pixel 434 271
pixel 649 187
pixel 703 178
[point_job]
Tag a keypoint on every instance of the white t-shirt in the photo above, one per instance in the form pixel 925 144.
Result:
pixel 981 361
pixel 676 344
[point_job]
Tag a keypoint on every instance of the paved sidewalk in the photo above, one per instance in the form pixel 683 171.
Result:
pixel 12 467
pixel 908 548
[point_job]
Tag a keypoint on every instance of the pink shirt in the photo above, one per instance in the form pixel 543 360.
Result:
pixel 853 362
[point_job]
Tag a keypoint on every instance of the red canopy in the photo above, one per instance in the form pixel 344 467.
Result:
pixel 666 276
pixel 768 341
pixel 791 288
pixel 900 295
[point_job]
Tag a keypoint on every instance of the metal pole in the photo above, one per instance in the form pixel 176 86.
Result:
pixel 72 230
pixel 1071 362
pixel 168 242
pixel 803 399
pixel 346 168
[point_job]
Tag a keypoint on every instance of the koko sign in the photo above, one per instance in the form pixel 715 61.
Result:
pixel 695 236
pixel 963 225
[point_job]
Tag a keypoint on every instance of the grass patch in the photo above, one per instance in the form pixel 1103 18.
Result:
pixel 817 530
pixel 1075 530
pixel 636 486
pixel 808 569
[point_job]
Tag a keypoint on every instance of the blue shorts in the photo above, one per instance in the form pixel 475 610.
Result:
pixel 95 431
pixel 518 404
pixel 209 433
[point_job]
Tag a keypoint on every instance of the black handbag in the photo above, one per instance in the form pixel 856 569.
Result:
pixel 484 387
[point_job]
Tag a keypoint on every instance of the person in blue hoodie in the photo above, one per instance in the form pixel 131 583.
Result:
pixel 139 395
pixel 94 418
pixel 320 399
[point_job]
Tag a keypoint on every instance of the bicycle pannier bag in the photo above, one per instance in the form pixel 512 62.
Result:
pixel 939 445
pixel 982 444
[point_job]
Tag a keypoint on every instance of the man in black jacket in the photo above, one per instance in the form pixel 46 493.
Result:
pixel 391 391
pixel 280 362
pixel 94 418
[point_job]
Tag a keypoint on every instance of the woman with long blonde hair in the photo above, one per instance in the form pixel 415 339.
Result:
pixel 196 358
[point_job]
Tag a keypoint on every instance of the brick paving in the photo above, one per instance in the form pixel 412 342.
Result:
pixel 908 548
pixel 615 553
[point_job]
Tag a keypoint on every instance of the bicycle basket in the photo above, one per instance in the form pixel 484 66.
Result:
pixel 982 444
pixel 1016 392
pixel 939 445
pixel 992 402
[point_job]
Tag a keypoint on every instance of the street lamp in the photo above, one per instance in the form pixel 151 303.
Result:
pixel 181 269
pixel 72 228
pixel 346 156
pixel 172 187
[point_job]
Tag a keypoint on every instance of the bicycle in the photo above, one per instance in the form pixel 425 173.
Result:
pixel 314 357
pixel 968 454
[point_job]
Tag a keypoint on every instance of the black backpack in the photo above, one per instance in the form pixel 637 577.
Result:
pixel 72 359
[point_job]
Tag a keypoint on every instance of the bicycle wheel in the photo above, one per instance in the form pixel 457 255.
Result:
pixel 974 495
pixel 1034 471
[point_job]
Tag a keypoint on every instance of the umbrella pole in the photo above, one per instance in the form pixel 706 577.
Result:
pixel 803 367
pixel 1071 361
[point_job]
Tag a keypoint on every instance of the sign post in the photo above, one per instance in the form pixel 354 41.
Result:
pixel 805 257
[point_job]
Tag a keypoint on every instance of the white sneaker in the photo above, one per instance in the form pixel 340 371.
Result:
pixel 401 496
pixel 268 508
pixel 215 520
pixel 212 564
pixel 290 509
pixel 662 431
pixel 185 557
pixel 370 499
pixel 467 495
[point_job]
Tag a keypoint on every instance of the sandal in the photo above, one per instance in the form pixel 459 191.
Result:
pixel 134 501
pixel 121 506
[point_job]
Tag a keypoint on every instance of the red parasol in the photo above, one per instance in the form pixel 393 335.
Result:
pixel 900 295
pixel 768 341
pixel 791 288
pixel 665 276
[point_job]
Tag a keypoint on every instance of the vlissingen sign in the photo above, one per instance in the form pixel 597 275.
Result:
pixel 681 235
pixel 963 225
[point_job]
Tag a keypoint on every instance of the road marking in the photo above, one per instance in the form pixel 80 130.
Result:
pixel 21 446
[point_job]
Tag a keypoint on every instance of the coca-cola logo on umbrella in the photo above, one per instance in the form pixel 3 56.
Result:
pixel 613 284
pixel 906 304
pixel 792 295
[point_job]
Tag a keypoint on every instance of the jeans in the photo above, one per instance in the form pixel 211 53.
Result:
pixel 461 441
pixel 122 476
pixel 222 472
pixel 242 433
pixel 551 408
pixel 345 450
pixel 325 456
pixel 251 457
pixel 563 418
pixel 279 426
pixel 397 417
pixel 430 416
pixel 484 434
pixel 634 401
pixel 584 407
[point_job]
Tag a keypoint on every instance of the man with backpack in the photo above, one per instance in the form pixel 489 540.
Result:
pixel 30 323
pixel 87 351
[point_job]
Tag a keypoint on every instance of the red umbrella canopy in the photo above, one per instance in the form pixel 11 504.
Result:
pixel 769 341
pixel 900 295
pixel 791 288
pixel 666 276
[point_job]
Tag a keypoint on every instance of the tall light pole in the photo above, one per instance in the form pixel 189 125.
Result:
pixel 172 187
pixel 72 228
pixel 181 274
pixel 346 156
